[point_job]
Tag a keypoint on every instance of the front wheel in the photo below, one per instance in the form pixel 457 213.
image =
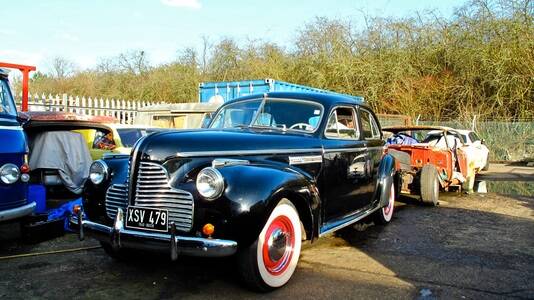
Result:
pixel 271 260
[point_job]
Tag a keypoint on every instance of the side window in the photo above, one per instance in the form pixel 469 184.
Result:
pixel 103 141
pixel 342 124
pixel 369 125
pixel 474 137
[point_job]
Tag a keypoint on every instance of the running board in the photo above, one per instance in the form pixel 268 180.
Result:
pixel 346 221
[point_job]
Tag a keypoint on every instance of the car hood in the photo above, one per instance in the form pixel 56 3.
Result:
pixel 216 143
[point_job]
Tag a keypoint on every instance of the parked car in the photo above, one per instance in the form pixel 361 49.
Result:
pixel 430 159
pixel 116 139
pixel 272 170
pixel 14 169
pixel 476 147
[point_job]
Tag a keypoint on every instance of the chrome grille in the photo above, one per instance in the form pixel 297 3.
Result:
pixel 116 197
pixel 153 191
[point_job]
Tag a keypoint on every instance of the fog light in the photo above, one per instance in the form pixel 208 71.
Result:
pixel 25 177
pixel 208 229
pixel 76 209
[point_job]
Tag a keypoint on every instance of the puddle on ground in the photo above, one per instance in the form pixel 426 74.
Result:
pixel 511 188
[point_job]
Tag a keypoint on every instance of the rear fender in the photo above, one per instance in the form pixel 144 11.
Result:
pixel 95 195
pixel 386 177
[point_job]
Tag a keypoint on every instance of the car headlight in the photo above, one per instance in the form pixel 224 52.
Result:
pixel 9 173
pixel 210 183
pixel 98 172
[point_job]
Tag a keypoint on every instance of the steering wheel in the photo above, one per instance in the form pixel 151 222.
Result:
pixel 301 126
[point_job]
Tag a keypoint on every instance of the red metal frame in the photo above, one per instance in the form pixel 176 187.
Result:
pixel 25 78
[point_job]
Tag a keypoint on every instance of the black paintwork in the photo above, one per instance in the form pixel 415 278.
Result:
pixel 326 194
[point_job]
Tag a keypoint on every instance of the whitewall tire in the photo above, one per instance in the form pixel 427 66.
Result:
pixel 272 259
pixel 385 214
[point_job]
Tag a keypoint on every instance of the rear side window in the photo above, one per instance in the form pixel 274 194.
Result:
pixel 342 124
pixel 369 125
pixel 473 137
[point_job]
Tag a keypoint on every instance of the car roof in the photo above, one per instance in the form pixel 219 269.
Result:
pixel 326 99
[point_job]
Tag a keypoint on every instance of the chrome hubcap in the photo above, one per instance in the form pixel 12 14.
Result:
pixel 278 247
pixel 277 244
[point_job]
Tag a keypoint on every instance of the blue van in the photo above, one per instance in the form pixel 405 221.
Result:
pixel 14 170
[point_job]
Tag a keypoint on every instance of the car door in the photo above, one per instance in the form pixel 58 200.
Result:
pixel 345 167
pixel 372 139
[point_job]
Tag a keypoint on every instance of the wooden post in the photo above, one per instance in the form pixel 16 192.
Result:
pixel 65 102
pixel 100 105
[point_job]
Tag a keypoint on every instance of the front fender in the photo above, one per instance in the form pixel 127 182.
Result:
pixel 94 195
pixel 386 177
pixel 252 192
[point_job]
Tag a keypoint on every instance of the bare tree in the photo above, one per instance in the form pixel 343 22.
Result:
pixel 135 61
pixel 62 67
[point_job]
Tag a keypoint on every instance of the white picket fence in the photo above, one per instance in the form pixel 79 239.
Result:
pixel 124 110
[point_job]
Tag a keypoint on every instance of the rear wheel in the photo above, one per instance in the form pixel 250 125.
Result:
pixel 271 260
pixel 385 214
pixel 429 185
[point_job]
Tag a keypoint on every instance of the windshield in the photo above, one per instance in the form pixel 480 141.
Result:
pixel 275 113
pixel 130 135
pixel 7 106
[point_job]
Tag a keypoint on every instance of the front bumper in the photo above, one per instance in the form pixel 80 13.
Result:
pixel 120 237
pixel 18 212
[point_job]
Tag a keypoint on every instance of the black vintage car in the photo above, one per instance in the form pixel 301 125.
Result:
pixel 271 171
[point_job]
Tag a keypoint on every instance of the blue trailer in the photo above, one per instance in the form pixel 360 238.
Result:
pixel 220 92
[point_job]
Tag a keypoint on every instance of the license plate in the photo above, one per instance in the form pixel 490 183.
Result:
pixel 147 218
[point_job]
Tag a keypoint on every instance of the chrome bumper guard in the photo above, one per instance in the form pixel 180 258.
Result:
pixel 120 237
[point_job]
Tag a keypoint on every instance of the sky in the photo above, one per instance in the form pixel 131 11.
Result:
pixel 85 31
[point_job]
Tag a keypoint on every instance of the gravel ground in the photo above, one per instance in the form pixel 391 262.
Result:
pixel 471 246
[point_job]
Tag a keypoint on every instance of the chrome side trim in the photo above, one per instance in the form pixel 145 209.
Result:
pixel 359 149
pixel 300 160
pixel 246 152
pixel 224 162
pixel 350 220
